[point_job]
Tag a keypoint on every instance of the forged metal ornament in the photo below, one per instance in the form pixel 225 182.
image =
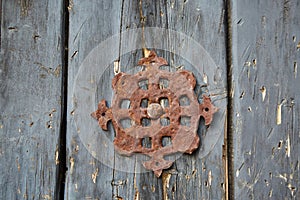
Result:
pixel 155 113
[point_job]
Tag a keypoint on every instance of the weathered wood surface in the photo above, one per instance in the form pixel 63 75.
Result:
pixel 265 92
pixel 92 23
pixel 265 40
pixel 30 98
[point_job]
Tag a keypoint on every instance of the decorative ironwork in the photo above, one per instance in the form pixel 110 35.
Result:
pixel 152 105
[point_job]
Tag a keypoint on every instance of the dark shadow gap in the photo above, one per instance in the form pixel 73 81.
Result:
pixel 0 22
pixel 62 165
pixel 229 132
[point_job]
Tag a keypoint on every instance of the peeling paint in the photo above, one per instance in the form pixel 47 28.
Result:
pixel 209 178
pixel 72 162
pixel 56 156
pixel 117 68
pixel 263 90
pixel 292 189
pixel 254 62
pixel 278 116
pixel 288 148
pixel 271 193
pixel 205 78
pixel 94 175
pixel 70 6
pixel 282 177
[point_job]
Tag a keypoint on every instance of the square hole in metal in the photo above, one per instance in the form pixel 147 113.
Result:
pixel 165 67
pixel 184 100
pixel 147 142
pixel 165 121
pixel 144 103
pixel 166 141
pixel 185 120
pixel 143 84
pixel 146 122
pixel 125 104
pixel 164 102
pixel 126 123
pixel 163 83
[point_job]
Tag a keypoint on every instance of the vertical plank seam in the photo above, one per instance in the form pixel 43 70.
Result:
pixel 229 133
pixel 119 59
pixel 62 166
pixel 1 14
pixel 121 29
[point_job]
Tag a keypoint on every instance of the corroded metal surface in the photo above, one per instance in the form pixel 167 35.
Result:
pixel 150 107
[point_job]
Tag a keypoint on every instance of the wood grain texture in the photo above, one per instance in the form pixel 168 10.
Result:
pixel 30 98
pixel 265 91
pixel 93 22
pixel 266 99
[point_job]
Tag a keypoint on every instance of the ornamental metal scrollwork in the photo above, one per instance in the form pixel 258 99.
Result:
pixel 155 112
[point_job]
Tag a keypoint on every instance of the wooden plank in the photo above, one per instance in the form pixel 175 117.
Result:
pixel 191 177
pixel 30 98
pixel 90 23
pixel 201 178
pixel 266 99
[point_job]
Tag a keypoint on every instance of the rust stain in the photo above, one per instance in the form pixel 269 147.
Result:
pixel 155 113
pixel 165 182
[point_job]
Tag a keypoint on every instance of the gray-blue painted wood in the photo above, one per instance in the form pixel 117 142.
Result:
pixel 30 98
pixel 265 115
pixel 265 36
pixel 190 177
pixel 90 23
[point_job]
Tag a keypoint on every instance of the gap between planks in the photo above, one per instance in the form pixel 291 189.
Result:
pixel 228 137
pixel 61 163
